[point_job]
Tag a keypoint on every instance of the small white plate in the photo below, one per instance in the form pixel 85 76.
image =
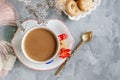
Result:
pixel 57 27
pixel 96 3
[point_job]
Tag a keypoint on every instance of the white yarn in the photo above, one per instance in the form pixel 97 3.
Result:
pixel 9 65
pixel 7 58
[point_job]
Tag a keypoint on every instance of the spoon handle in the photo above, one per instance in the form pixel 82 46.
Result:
pixel 77 48
pixel 61 67
pixel 63 64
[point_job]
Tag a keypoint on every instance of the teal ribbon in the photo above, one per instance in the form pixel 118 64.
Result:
pixel 9 32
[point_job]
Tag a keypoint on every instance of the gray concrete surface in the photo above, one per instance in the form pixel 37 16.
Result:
pixel 97 60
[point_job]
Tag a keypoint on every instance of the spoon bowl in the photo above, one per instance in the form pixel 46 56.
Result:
pixel 87 36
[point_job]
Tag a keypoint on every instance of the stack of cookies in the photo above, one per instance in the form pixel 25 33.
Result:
pixel 77 7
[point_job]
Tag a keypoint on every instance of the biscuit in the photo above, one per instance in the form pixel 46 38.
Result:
pixel 85 5
pixel 72 8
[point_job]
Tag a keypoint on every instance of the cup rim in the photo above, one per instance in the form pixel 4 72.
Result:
pixel 35 61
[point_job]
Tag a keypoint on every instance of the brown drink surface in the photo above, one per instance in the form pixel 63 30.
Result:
pixel 40 44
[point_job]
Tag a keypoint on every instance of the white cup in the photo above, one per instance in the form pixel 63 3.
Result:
pixel 25 53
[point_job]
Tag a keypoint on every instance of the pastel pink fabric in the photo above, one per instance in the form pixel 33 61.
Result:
pixel 7 13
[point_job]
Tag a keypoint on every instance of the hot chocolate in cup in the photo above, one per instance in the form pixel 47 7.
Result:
pixel 39 44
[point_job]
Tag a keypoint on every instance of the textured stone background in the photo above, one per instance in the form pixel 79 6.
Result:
pixel 97 60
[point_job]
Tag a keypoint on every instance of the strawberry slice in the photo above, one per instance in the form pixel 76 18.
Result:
pixel 62 36
pixel 64 53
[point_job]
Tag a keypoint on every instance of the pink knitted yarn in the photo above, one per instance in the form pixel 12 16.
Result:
pixel 3 73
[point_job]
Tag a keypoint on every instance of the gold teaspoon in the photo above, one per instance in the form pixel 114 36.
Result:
pixel 86 37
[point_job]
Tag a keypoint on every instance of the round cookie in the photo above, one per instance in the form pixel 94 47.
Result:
pixel 72 8
pixel 85 5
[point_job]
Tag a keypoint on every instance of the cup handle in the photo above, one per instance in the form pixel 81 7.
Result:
pixel 18 23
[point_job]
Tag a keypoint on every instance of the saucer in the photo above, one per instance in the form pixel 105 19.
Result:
pixel 54 25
